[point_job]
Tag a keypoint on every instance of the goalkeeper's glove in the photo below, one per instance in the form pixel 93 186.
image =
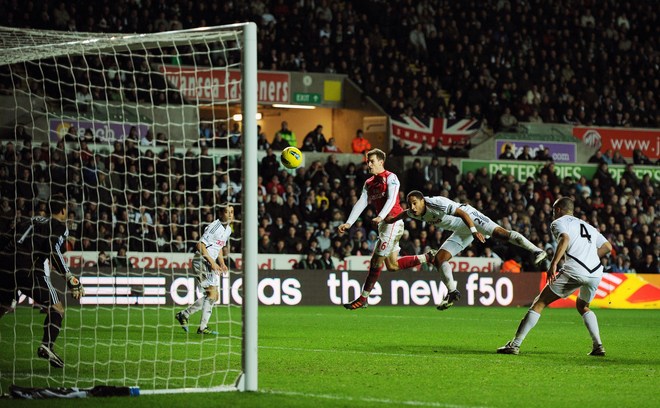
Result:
pixel 76 288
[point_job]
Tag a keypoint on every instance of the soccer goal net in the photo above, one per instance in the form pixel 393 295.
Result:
pixel 142 135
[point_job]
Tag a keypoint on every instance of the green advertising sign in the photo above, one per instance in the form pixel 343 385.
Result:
pixel 522 170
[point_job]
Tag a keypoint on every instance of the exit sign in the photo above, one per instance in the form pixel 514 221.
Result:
pixel 307 98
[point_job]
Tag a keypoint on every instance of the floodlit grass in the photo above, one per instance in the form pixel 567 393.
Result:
pixel 381 356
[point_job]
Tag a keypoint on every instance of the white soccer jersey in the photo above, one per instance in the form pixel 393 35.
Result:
pixel 215 237
pixel 440 212
pixel 581 256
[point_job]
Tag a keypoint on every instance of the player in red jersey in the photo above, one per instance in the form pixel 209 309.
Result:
pixel 382 191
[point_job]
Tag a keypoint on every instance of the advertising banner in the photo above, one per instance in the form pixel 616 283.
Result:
pixel 625 140
pixel 154 260
pixel 560 152
pixel 105 286
pixel 523 169
pixel 622 291
pixel 220 85
pixel 103 131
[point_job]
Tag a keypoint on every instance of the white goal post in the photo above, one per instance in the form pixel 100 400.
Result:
pixel 137 131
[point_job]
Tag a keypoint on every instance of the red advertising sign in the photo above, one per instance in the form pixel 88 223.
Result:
pixel 219 85
pixel 622 139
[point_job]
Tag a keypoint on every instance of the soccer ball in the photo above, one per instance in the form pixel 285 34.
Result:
pixel 291 157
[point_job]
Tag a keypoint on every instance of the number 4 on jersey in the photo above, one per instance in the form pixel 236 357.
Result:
pixel 584 233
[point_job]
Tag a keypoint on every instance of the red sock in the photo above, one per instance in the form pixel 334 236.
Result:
pixel 406 262
pixel 372 278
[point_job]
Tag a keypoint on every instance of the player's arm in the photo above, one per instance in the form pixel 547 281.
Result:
pixel 221 261
pixel 468 221
pixel 57 261
pixel 359 206
pixel 201 247
pixel 392 220
pixel 562 245
pixel 605 249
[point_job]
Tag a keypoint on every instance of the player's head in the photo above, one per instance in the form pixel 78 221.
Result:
pixel 416 202
pixel 376 161
pixel 58 206
pixel 563 206
pixel 227 213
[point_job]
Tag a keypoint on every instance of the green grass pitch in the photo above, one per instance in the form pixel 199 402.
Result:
pixel 381 356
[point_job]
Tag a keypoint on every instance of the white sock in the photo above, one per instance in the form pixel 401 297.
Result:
pixel 517 238
pixel 207 309
pixel 591 322
pixel 526 324
pixel 195 307
pixel 447 276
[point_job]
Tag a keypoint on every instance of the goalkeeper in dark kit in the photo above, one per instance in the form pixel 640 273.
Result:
pixel 28 254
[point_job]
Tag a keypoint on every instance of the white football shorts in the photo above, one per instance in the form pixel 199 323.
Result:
pixel 457 242
pixel 388 238
pixel 462 236
pixel 566 284
pixel 205 275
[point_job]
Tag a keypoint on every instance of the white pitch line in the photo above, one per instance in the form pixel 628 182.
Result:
pixel 371 400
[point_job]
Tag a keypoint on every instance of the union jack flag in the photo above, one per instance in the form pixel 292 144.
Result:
pixel 413 131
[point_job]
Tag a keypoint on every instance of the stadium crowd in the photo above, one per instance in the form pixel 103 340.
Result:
pixel 156 200
pixel 575 62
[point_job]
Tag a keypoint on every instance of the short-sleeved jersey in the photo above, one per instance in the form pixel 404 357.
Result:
pixel 440 212
pixel 215 237
pixel 33 242
pixel 437 211
pixel 584 240
pixel 377 187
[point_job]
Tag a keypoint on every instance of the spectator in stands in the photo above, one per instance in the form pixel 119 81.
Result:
pixel 640 158
pixel 648 265
pixel 148 139
pixel 279 143
pixel 543 154
pixel 450 172
pixel 512 265
pixel 359 143
pixel 317 139
pixel 618 158
pixel 309 262
pixel 262 142
pixel 285 134
pixel 71 134
pixel 433 172
pixel 399 148
pixel 524 155
pixel 103 260
pixel 596 158
pixel 425 150
pixel 507 154
pixel 508 122
pixel 120 260
pixel 235 136
pixel 326 261
pixel 331 147
pixel 415 176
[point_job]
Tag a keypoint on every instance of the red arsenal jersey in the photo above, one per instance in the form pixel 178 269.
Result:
pixel 379 188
